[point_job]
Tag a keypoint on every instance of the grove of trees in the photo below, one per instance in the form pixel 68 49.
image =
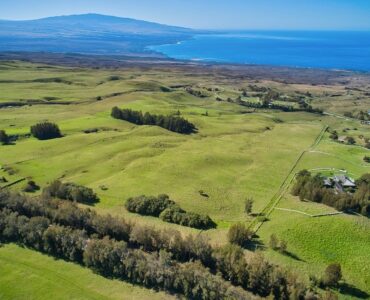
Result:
pixel 159 259
pixel 311 187
pixel 168 211
pixel 45 131
pixel 172 123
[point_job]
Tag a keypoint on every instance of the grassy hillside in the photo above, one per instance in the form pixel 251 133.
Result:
pixel 27 274
pixel 237 153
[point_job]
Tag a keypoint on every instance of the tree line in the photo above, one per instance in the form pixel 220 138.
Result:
pixel 311 187
pixel 172 123
pixel 112 258
pixel 116 242
pixel 168 211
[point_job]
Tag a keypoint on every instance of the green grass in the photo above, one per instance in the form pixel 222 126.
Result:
pixel 316 242
pixel 26 274
pixel 233 156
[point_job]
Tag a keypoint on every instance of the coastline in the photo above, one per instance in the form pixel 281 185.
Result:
pixel 281 40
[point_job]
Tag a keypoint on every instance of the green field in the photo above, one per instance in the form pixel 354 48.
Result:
pixel 235 155
pixel 26 274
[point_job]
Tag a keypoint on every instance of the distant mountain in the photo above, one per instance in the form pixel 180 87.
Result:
pixel 88 33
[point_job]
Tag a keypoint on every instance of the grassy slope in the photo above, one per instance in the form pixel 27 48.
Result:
pixel 232 157
pixel 26 274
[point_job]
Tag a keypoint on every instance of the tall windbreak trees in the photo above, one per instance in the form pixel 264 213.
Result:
pixel 172 123
pixel 159 259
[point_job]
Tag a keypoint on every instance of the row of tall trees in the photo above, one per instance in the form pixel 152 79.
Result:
pixel 172 123
pixel 255 274
pixel 115 259
pixel 168 211
pixel 311 187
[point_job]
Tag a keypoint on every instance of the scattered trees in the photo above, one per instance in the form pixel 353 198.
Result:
pixel 172 123
pixel 4 138
pixel 72 192
pixel 367 159
pixel 45 131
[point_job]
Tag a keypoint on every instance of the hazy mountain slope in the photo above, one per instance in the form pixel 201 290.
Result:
pixel 90 33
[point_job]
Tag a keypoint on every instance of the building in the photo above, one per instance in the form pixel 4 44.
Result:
pixel 339 182
pixel 344 181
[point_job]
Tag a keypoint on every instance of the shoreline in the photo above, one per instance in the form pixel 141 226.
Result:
pixel 299 75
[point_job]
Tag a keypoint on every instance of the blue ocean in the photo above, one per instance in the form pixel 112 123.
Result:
pixel 309 49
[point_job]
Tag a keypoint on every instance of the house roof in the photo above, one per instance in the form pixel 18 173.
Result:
pixel 344 180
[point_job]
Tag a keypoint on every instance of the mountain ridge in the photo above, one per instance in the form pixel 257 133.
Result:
pixel 88 33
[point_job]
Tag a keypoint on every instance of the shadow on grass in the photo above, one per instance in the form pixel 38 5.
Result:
pixel 254 244
pixel 293 256
pixel 350 290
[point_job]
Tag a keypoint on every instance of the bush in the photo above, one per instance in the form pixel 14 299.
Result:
pixel 149 206
pixel 238 234
pixel 274 242
pixel 4 138
pixel 72 192
pixel 45 131
pixel 332 275
pixel 31 187
pixel 174 214
pixel 168 211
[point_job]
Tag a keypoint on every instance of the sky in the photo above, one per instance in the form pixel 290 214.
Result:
pixel 208 14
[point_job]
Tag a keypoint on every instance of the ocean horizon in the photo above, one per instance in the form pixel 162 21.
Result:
pixel 342 50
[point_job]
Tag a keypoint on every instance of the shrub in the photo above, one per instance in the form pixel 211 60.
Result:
pixel 332 275
pixel 149 206
pixel 248 206
pixel 238 234
pixel 168 211
pixel 45 131
pixel 274 242
pixel 72 192
pixel 4 138
pixel 31 187
pixel 174 214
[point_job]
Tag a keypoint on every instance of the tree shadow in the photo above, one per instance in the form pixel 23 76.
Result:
pixel 350 290
pixel 293 256
pixel 254 244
